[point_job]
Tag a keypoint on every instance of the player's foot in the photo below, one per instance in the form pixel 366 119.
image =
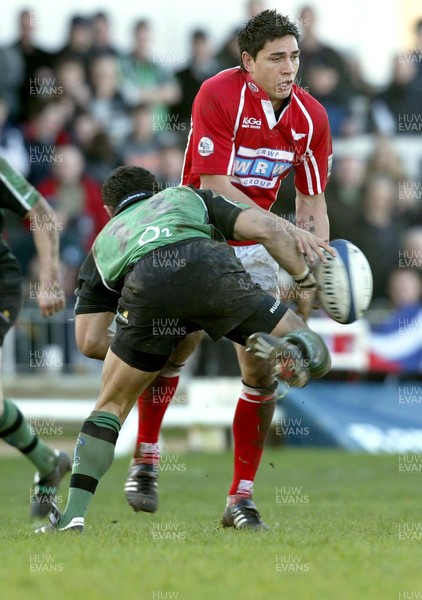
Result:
pixel 45 491
pixel 76 524
pixel 290 364
pixel 141 488
pixel 243 514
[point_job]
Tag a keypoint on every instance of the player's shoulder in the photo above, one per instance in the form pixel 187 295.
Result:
pixel 225 83
pixel 309 103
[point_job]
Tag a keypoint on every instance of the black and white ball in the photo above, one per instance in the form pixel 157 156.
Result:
pixel 344 283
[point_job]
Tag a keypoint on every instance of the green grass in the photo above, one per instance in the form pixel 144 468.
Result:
pixel 342 531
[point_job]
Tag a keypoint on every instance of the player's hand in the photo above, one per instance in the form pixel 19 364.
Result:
pixel 50 297
pixel 311 245
pixel 305 295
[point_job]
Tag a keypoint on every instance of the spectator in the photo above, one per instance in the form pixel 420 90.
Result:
pixel 394 109
pixel 36 62
pixel 324 71
pixel 12 72
pixel 385 160
pixel 314 50
pixel 143 80
pixel 395 344
pixel 12 146
pixel 376 231
pixel 324 84
pixel 142 147
pixel 202 65
pixel 414 54
pixel 254 7
pixel 95 145
pixel 228 56
pixel 171 164
pixel 405 288
pixel 411 254
pixel 77 202
pixel 73 84
pixel 101 31
pixel 43 132
pixel 343 195
pixel 107 104
pixel 79 43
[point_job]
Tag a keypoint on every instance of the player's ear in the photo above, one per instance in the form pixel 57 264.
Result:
pixel 247 62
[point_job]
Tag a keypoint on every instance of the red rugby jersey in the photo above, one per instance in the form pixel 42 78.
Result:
pixel 234 132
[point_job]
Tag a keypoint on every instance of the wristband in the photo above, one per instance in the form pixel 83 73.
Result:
pixel 300 281
pixel 303 277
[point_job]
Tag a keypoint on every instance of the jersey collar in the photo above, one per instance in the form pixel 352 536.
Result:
pixel 261 94
pixel 254 88
pixel 129 200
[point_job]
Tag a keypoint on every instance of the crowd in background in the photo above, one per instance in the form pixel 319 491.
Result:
pixel 68 117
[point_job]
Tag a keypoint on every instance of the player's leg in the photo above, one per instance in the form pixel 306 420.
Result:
pixel 94 449
pixel 51 464
pixel 141 488
pixel 127 370
pixel 256 403
pixel 94 315
pixel 92 333
pixel 154 401
pixel 293 353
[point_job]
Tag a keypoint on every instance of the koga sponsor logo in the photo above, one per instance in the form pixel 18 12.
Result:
pixel 251 123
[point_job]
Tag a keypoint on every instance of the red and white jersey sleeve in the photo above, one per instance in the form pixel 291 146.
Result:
pixel 211 140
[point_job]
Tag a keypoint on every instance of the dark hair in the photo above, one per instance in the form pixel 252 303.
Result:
pixel 80 21
pixel 141 24
pixel 125 181
pixel 101 15
pixel 199 35
pixel 265 27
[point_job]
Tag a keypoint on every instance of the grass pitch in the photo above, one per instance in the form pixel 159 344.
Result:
pixel 343 527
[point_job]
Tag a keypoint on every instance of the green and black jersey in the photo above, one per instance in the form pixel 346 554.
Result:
pixel 18 196
pixel 142 226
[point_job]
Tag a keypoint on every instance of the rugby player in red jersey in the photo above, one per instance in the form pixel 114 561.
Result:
pixel 251 125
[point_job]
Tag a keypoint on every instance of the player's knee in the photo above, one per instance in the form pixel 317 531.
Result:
pixel 258 375
pixel 185 347
pixel 91 345
pixel 314 350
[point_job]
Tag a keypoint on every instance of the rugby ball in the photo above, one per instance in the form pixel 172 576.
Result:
pixel 344 282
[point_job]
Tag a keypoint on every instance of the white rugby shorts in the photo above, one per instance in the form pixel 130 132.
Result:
pixel 261 266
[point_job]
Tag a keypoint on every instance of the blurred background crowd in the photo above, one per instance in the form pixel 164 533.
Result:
pixel 70 116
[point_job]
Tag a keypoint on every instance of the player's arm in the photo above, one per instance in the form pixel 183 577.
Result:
pixel 282 246
pixel 271 233
pixel 312 173
pixel 307 243
pixel 221 184
pixel 20 197
pixel 95 310
pixel 239 222
pixel 311 214
pixel 46 238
